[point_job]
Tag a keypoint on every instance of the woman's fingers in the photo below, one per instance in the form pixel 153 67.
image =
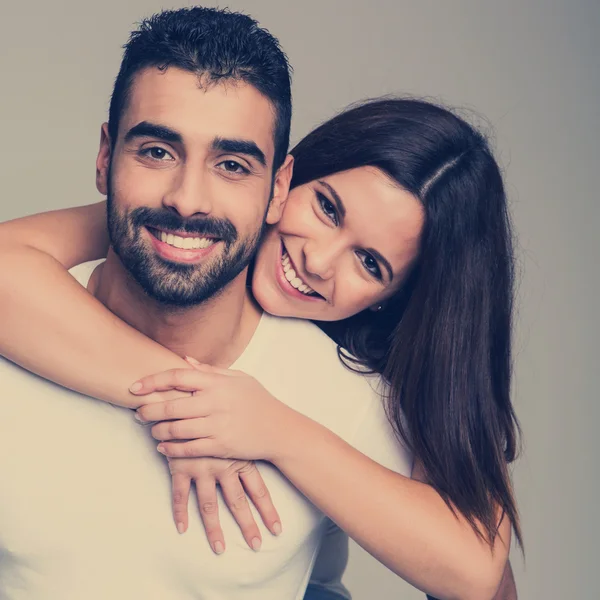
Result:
pixel 206 490
pixel 193 449
pixel 261 498
pixel 187 380
pixel 181 485
pixel 186 429
pixel 237 501
pixel 180 408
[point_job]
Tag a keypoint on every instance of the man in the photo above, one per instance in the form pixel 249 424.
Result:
pixel 193 163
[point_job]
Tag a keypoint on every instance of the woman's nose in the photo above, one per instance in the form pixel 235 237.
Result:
pixel 320 259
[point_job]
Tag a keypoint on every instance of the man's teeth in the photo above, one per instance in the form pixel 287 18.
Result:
pixel 291 276
pixel 187 243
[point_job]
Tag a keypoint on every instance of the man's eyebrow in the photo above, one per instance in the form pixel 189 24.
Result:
pixel 342 210
pixel 247 147
pixel 147 129
pixel 336 198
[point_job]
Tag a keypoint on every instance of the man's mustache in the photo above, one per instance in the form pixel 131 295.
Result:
pixel 203 226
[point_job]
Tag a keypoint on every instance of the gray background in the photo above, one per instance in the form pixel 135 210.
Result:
pixel 530 66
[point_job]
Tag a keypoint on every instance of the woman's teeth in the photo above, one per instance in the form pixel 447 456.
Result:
pixel 293 279
pixel 187 243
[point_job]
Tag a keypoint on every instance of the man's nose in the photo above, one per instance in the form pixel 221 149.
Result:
pixel 190 193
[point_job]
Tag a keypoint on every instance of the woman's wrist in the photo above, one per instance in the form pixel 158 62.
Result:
pixel 291 432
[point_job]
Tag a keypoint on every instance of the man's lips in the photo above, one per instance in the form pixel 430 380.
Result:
pixel 170 252
pixel 156 231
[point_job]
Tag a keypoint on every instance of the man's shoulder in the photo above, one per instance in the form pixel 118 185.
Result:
pixel 302 353
pixel 301 366
pixel 25 394
pixel 302 342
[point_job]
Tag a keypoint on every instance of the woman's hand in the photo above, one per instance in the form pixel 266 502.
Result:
pixel 238 480
pixel 229 415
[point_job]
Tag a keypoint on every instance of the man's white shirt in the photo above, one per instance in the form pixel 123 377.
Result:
pixel 85 504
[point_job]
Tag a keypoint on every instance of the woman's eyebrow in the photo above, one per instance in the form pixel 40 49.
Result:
pixel 336 197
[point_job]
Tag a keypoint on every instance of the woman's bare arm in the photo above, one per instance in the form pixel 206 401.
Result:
pixel 401 521
pixel 70 235
pixel 51 325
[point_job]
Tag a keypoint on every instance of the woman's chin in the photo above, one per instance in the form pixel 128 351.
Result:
pixel 268 301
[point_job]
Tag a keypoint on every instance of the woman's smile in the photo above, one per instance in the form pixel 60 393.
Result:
pixel 288 277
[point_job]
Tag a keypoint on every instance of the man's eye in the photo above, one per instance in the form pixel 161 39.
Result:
pixel 232 166
pixel 157 153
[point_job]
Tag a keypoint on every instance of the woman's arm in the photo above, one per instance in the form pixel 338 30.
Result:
pixel 51 325
pixel 71 235
pixel 402 522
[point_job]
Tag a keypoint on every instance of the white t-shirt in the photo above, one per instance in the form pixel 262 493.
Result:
pixel 85 508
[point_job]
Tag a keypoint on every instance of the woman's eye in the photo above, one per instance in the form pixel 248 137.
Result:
pixel 232 166
pixel 370 264
pixel 327 207
pixel 157 153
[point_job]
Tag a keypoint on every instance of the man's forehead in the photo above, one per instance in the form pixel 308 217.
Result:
pixel 181 101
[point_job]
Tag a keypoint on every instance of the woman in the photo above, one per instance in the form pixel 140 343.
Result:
pixel 434 321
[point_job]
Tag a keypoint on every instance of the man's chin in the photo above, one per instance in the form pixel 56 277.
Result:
pixel 171 285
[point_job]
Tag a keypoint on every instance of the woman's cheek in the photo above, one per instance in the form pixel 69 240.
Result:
pixel 297 217
pixel 354 298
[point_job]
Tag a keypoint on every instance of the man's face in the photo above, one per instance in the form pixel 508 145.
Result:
pixel 188 183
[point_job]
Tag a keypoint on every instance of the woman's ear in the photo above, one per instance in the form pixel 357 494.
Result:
pixel 377 307
pixel 103 161
pixel 281 189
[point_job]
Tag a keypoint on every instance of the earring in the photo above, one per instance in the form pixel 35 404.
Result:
pixel 379 308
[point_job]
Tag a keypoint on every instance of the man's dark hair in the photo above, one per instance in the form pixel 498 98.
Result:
pixel 217 45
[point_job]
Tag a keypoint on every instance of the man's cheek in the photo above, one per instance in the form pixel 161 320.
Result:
pixel 133 189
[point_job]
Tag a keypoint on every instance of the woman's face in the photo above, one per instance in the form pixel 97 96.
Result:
pixel 344 243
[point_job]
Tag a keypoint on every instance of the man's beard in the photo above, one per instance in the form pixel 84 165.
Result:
pixel 175 284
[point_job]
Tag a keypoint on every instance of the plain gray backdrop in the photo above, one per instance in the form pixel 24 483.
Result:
pixel 531 67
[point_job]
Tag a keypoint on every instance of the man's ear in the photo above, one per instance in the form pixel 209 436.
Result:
pixel 281 189
pixel 103 161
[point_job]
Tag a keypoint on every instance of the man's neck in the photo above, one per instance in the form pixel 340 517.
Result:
pixel 215 332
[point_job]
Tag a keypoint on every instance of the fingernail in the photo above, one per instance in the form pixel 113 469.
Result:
pixel 161 448
pixel 136 387
pixel 137 417
pixel 218 548
pixel 256 543
pixel 277 528
pixel 191 360
pixel 180 527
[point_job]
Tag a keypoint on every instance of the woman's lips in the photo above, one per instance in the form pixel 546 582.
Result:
pixel 285 285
